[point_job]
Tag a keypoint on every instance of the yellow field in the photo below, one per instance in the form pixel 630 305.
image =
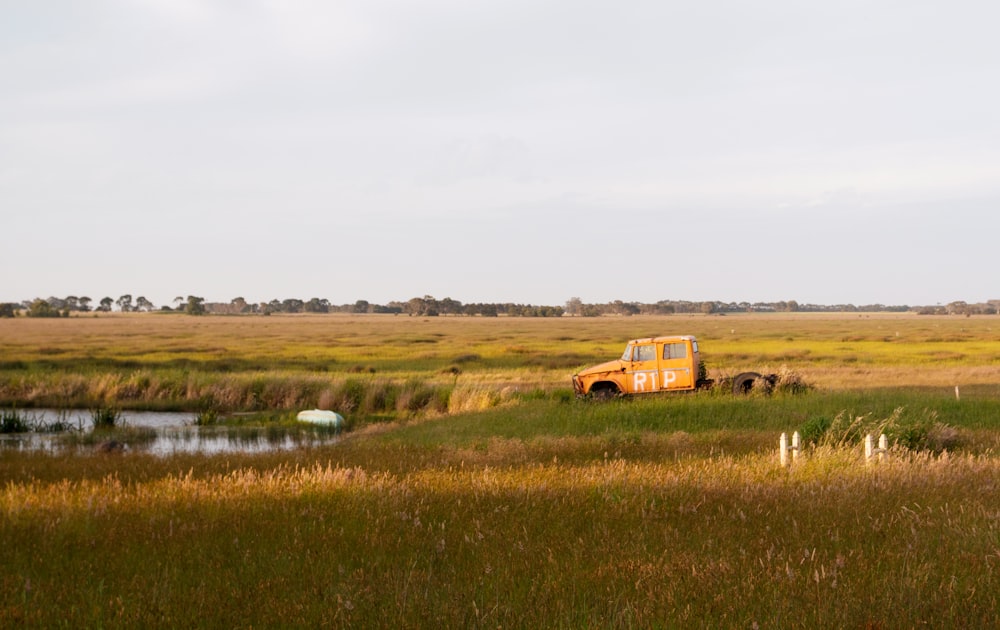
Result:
pixel 828 350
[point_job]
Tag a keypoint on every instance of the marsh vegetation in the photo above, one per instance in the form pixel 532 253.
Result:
pixel 508 502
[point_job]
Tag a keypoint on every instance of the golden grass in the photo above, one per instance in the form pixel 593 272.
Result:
pixel 834 350
pixel 510 535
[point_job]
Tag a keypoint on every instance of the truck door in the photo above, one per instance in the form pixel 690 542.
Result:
pixel 642 374
pixel 675 366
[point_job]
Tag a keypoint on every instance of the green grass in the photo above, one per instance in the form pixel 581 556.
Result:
pixel 692 413
pixel 510 534
pixel 495 498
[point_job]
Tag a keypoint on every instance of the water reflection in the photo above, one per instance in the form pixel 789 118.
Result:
pixel 164 433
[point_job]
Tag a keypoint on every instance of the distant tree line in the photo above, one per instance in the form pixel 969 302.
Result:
pixel 428 306
pixel 62 307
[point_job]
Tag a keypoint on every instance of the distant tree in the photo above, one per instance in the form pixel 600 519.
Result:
pixel 105 306
pixel 42 308
pixel 71 302
pixel 240 305
pixel 574 306
pixel 414 306
pixel 142 304
pixel 7 309
pixel 85 303
pixel 361 306
pixel 426 305
pixel 292 305
pixel 958 308
pixel 663 307
pixel 195 305
pixel 317 305
pixel 125 303
pixel 708 307
pixel 449 306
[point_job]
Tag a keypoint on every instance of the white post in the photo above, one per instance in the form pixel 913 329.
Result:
pixel 957 397
pixel 881 451
pixel 795 445
pixel 783 449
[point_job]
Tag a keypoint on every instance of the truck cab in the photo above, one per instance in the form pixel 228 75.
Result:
pixel 655 364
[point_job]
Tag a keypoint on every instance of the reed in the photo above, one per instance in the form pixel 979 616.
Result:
pixel 509 534
pixel 104 418
pixel 14 421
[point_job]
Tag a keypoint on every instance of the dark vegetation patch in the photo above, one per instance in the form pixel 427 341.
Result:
pixel 410 341
pixel 361 369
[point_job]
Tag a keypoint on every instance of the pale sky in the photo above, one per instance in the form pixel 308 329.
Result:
pixel 507 151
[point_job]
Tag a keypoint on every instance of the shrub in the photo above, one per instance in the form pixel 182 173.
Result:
pixel 814 429
pixel 790 382
pixel 917 433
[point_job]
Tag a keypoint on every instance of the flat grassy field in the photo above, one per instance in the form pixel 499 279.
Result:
pixel 155 361
pixel 484 495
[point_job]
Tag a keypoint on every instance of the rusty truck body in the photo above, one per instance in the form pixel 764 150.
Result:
pixel 656 364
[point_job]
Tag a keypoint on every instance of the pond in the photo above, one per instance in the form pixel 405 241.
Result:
pixel 161 433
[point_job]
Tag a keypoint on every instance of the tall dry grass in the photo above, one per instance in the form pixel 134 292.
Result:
pixel 509 535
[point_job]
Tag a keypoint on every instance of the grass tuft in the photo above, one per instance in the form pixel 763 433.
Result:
pixel 911 431
pixel 102 418
pixel 14 421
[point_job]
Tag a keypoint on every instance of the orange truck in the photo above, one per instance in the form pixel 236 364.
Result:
pixel 657 364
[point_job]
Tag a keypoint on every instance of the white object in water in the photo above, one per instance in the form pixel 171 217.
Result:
pixel 321 416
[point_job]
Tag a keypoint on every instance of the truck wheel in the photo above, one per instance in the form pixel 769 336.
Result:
pixel 606 392
pixel 743 383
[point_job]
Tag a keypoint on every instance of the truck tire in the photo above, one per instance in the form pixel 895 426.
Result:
pixel 743 383
pixel 604 391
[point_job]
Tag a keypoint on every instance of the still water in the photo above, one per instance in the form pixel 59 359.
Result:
pixel 175 432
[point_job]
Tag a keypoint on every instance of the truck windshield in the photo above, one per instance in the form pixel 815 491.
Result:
pixel 628 353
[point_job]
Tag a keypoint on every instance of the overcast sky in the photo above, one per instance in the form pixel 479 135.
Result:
pixel 521 151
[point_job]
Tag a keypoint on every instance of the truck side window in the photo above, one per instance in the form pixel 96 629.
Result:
pixel 674 351
pixel 645 353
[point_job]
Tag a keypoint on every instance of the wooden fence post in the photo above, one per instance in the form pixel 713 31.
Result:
pixel 881 451
pixel 784 448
